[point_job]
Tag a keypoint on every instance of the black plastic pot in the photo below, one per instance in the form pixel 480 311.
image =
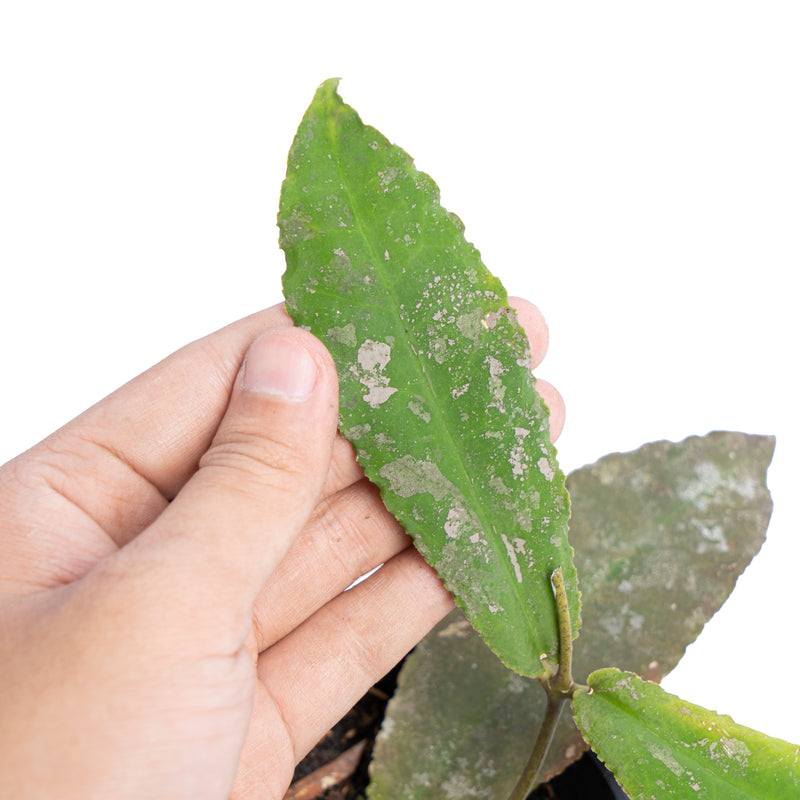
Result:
pixel 586 779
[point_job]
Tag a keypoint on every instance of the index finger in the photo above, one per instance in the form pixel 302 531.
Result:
pixel 95 484
pixel 161 422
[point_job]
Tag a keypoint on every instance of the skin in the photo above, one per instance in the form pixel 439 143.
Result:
pixel 172 573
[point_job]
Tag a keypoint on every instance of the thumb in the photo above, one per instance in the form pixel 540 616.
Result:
pixel 257 484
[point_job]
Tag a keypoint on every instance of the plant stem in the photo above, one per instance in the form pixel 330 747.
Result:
pixel 530 775
pixel 562 683
pixel 559 689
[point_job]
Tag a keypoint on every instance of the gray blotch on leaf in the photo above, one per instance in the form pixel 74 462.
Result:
pixel 343 335
pixel 372 360
pixel 408 476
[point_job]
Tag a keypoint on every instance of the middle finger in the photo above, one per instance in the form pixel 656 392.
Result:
pixel 350 533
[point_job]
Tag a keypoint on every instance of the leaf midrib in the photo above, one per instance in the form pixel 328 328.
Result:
pixel 431 395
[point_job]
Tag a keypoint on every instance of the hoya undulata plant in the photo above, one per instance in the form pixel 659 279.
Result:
pixel 437 397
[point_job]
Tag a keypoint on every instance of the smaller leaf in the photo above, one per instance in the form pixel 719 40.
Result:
pixel 658 745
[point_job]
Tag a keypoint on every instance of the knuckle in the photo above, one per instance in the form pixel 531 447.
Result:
pixel 65 465
pixel 365 651
pixel 357 647
pixel 243 457
pixel 342 522
pixel 52 464
pixel 356 528
pixel 77 476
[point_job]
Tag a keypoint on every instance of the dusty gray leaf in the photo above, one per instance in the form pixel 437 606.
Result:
pixel 660 536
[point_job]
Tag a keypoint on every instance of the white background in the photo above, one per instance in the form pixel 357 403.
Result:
pixel 633 168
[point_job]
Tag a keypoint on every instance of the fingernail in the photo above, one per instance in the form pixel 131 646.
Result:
pixel 279 365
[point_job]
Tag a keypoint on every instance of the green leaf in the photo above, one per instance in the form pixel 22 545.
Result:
pixel 436 392
pixel 660 535
pixel 660 746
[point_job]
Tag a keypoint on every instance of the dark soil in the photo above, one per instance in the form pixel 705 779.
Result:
pixel 362 722
pixel 586 779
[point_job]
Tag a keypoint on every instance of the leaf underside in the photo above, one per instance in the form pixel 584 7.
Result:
pixel 436 393
pixel 658 745
pixel 660 535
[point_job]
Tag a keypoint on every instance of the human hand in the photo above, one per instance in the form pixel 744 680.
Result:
pixel 172 574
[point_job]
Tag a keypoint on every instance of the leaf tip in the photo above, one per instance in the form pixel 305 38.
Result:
pixel 329 86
